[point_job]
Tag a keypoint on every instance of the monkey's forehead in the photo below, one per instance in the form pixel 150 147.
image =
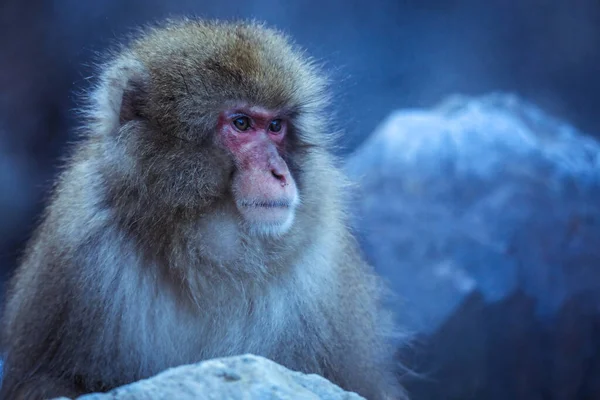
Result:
pixel 216 61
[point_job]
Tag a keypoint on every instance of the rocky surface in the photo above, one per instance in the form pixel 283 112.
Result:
pixel 241 377
pixel 484 216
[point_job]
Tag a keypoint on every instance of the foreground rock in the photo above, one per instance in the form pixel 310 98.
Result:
pixel 243 377
pixel 484 215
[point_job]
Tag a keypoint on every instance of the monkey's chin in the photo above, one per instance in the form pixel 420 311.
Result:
pixel 267 219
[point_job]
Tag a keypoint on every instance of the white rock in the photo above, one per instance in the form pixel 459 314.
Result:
pixel 241 377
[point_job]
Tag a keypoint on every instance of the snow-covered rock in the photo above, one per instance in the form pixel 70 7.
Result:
pixel 484 216
pixel 486 194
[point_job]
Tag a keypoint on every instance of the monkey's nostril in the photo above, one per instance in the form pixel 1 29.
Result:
pixel 277 175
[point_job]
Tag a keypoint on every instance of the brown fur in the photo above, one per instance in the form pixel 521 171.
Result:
pixel 141 261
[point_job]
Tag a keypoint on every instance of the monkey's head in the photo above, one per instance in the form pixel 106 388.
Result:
pixel 204 114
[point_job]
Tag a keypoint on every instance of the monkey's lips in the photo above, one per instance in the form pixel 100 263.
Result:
pixel 271 214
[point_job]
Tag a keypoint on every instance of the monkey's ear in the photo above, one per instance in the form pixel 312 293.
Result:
pixel 121 96
pixel 133 100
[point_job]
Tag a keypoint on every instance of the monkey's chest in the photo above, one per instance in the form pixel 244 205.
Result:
pixel 158 333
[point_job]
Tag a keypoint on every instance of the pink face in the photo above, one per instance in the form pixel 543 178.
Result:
pixel 263 188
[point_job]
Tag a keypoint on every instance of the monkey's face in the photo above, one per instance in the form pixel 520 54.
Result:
pixel 263 189
pixel 226 117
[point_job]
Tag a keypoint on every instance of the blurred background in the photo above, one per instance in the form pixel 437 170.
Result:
pixel 481 210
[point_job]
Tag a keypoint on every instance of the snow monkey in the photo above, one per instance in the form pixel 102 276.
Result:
pixel 200 215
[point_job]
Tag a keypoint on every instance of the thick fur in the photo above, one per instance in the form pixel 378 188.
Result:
pixel 142 262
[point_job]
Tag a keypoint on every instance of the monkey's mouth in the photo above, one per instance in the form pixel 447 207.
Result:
pixel 266 204
pixel 267 216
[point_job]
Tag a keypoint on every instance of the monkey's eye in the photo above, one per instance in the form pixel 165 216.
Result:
pixel 275 125
pixel 242 123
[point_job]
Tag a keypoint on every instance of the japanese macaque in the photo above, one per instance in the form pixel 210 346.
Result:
pixel 200 215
